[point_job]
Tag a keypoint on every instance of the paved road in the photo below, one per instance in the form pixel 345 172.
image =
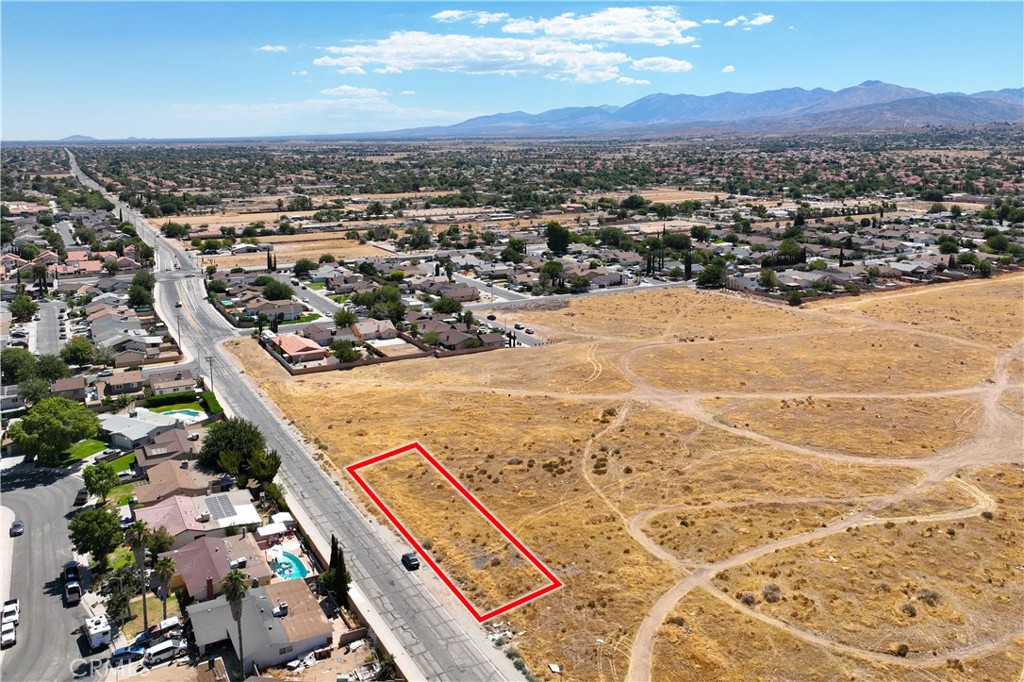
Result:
pixel 47 337
pixel 442 648
pixel 66 231
pixel 48 637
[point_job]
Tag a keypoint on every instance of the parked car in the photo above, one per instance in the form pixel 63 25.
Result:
pixel 82 497
pixel 126 654
pixel 177 304
pixel 492 317
pixel 17 528
pixel 529 330
pixel 73 593
pixel 106 373
pixel 410 561
pixel 8 636
pixel 519 325
pixel 165 651
pixel 71 571
pixel 12 612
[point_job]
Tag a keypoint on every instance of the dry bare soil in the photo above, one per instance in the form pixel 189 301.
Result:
pixel 729 489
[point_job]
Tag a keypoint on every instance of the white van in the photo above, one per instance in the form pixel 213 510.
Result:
pixel 164 651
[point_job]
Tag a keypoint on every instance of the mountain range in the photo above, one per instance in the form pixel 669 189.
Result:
pixel 872 105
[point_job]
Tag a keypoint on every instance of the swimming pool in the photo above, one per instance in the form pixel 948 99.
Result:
pixel 189 415
pixel 289 567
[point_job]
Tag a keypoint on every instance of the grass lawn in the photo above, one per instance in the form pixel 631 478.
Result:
pixel 123 463
pixel 316 285
pixel 338 298
pixel 82 449
pixel 178 406
pixel 308 317
pixel 122 556
pixel 155 610
pixel 120 495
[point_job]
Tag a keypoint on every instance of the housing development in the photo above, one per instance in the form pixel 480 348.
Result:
pixel 325 369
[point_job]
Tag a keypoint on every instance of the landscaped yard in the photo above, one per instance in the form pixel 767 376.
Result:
pixel 122 494
pixel 155 610
pixel 178 406
pixel 308 317
pixel 124 462
pixel 317 285
pixel 122 556
pixel 83 449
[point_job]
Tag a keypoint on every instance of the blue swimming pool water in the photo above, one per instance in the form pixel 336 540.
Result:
pixel 186 413
pixel 290 567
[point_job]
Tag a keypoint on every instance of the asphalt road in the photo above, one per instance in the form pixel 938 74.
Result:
pixel 47 339
pixel 48 639
pixel 441 647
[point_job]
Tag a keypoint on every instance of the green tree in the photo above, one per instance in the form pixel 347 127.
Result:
pixel 144 279
pixel 446 305
pixel 216 286
pixel 579 284
pixel 557 236
pixel 100 479
pixel 345 318
pixel 327 258
pixel 235 587
pixel 17 365
pixel 984 267
pixel 277 291
pixel 233 462
pixel 231 435
pixel 767 279
pixel 23 307
pixel 51 368
pixel 96 532
pixel 139 296
pixel 303 267
pixel 431 338
pixel 160 541
pixel 118 589
pixel 263 465
pixel 345 351
pixel 33 389
pixel 78 351
pixel 633 202
pixel 165 569
pixel 552 271
pixel 794 298
pixel 712 275
pixel 51 426
pixel 789 248
pixel 700 233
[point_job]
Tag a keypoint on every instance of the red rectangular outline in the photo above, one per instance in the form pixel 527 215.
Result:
pixel 481 617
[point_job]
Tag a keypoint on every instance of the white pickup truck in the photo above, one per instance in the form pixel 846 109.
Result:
pixel 12 611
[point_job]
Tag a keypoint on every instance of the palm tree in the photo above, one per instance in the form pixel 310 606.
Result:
pixel 137 536
pixel 236 585
pixel 165 569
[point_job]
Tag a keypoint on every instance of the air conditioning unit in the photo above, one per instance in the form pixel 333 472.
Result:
pixel 238 563
pixel 203 518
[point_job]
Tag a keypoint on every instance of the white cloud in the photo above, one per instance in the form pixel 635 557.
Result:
pixel 729 69
pixel 759 20
pixel 273 48
pixel 352 71
pixel 661 65
pixel 300 73
pixel 626 80
pixel 650 25
pixel 695 47
pixel 792 28
pixel 457 53
pixel 352 91
pixel 348 113
pixel 711 21
pixel 407 92
pixel 477 17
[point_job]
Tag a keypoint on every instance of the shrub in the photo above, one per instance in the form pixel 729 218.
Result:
pixel 747 598
pixel 902 650
pixel 771 593
pixel 929 597
pixel 170 399
pixel 210 403
pixel 909 609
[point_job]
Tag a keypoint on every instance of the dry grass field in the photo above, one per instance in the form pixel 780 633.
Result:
pixel 811 448
pixel 868 428
pixel 290 252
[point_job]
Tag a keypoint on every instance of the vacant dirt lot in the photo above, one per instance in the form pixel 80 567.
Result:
pixel 864 465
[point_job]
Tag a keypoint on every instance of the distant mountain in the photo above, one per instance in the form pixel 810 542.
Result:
pixel 78 138
pixel 870 105
pixel 1009 95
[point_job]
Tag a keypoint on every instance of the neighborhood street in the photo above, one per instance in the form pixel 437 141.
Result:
pixel 48 639
pixel 442 649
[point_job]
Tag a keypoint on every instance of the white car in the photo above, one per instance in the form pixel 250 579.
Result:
pixel 12 611
pixel 9 635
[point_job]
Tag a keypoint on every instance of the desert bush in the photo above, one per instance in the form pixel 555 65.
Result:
pixel 747 598
pixel 771 593
pixel 909 609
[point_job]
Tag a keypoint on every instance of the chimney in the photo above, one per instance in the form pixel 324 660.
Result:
pixel 209 587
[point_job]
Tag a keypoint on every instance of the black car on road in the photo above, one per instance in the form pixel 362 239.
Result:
pixel 411 561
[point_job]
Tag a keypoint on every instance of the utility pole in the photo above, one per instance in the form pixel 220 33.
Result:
pixel 209 358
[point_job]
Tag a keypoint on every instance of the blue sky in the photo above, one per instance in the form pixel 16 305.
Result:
pixel 167 69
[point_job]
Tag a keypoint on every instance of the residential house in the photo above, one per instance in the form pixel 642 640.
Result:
pixel 202 564
pixel 190 518
pixel 280 622
pixel 124 382
pixel 298 349
pixel 371 330
pixel 453 339
pixel 174 381
pixel 178 444
pixel 174 477
pixel 72 388
pixel 135 429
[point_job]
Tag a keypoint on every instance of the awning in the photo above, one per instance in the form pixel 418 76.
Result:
pixel 271 529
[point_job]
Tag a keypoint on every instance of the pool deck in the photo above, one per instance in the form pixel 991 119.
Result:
pixel 292 546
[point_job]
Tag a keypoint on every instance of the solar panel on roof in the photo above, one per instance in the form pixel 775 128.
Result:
pixel 220 506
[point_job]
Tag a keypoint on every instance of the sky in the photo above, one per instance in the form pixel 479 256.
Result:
pixel 202 69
